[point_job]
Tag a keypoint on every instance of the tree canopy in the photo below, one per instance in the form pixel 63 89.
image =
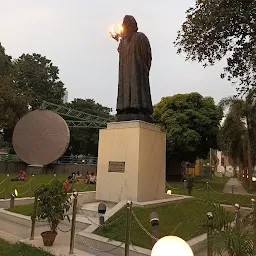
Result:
pixel 85 140
pixel 37 77
pixel 191 122
pixel 215 29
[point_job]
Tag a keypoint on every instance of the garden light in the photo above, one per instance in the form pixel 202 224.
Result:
pixel 169 192
pixel 171 245
pixel 13 195
pixel 102 210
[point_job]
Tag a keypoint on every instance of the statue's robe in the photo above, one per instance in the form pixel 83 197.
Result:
pixel 134 65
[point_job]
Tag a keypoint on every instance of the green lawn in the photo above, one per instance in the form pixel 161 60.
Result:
pixel 7 249
pixel 183 219
pixel 27 188
pixel 214 194
pixel 26 210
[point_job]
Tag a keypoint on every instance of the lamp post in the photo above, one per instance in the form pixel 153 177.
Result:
pixel 237 218
pixel 171 245
pixel 154 220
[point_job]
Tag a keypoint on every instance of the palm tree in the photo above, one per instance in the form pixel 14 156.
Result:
pixel 238 132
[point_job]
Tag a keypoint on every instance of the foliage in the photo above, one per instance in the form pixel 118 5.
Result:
pixel 5 62
pixel 237 137
pixel 234 238
pixel 37 77
pixel 85 140
pixel 190 183
pixel 191 122
pixel 53 203
pixel 20 249
pixel 13 103
pixel 222 28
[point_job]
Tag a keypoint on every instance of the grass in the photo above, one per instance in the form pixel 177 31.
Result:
pixel 183 219
pixel 26 210
pixel 215 192
pixel 19 249
pixel 27 188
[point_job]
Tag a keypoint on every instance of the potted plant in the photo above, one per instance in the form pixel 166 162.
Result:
pixel 190 183
pixel 53 203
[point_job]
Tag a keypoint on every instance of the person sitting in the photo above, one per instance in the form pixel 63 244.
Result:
pixel 67 183
pixel 79 177
pixel 87 178
pixel 92 179
pixel 21 177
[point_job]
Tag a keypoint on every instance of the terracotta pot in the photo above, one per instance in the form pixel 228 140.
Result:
pixel 48 237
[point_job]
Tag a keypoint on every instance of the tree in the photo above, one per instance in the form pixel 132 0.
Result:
pixel 237 135
pixel 37 77
pixel 191 122
pixel 5 62
pixel 222 28
pixel 85 140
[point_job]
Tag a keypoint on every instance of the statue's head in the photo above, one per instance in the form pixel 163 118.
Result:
pixel 129 25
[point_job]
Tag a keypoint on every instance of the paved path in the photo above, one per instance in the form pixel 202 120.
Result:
pixel 238 188
pixel 13 232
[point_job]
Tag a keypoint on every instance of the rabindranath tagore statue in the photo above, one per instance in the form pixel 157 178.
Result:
pixel 134 98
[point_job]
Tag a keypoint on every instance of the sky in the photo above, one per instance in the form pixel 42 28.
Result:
pixel 74 35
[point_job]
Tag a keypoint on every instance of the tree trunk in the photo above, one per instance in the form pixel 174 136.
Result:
pixel 249 153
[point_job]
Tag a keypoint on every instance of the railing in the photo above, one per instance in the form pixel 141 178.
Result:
pixel 63 160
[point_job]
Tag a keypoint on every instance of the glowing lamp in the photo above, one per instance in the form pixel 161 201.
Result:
pixel 169 192
pixel 171 245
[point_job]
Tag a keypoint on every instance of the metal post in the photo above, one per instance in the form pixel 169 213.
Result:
pixel 208 191
pixel 233 196
pixel 32 186
pixel 73 227
pixel 184 182
pixel 154 220
pixel 128 227
pixel 237 218
pixel 33 217
pixel 6 186
pixel 12 201
pixel 73 181
pixel 209 234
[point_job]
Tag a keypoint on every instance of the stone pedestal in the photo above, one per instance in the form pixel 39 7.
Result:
pixel 35 169
pixel 131 162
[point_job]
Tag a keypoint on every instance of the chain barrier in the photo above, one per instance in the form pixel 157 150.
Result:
pixel 196 233
pixel 98 250
pixel 106 223
pixel 200 188
pixel 24 192
pixel 219 201
pixel 220 193
pixel 2 191
pixel 23 185
pixel 64 231
pixel 3 181
pixel 143 228
pixel 173 187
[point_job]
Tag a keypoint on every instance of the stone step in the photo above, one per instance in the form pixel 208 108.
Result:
pixel 91 209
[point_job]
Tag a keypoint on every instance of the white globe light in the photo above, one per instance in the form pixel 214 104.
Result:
pixel 171 245
pixel 169 192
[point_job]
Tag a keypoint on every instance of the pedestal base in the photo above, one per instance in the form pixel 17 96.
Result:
pixel 35 169
pixel 131 162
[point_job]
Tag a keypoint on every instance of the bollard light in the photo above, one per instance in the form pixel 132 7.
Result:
pixel 13 195
pixel 209 215
pixel 169 192
pixel 237 207
pixel 102 210
pixel 171 245
pixel 154 219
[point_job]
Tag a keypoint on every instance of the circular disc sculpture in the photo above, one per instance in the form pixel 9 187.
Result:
pixel 171 245
pixel 41 137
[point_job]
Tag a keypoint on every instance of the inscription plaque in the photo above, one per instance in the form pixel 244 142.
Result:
pixel 116 166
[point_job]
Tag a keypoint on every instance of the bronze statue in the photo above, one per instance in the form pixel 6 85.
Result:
pixel 134 98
